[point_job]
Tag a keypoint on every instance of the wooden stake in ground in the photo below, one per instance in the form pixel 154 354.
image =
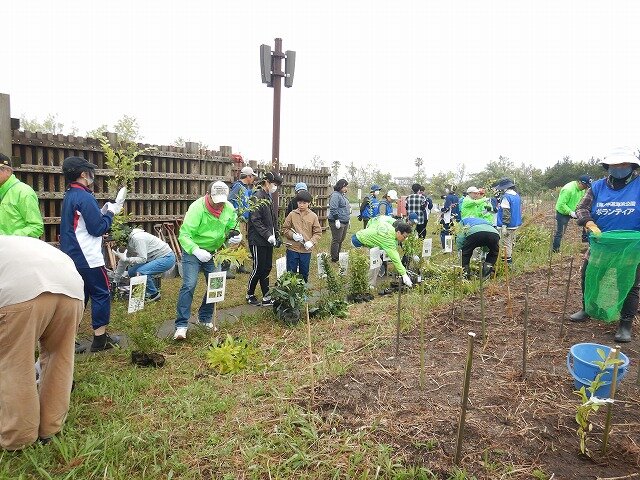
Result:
pixel 615 353
pixel 215 317
pixel 398 322
pixel 313 386
pixel 506 279
pixel 482 322
pixel 465 398
pixel 453 299
pixel 566 297
pixel 422 346
pixel 524 332
pixel 549 271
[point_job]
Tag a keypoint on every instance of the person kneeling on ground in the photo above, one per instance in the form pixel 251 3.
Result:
pixel 386 236
pixel 142 254
pixel 599 211
pixel 204 230
pixel 41 302
pixel 478 232
pixel 301 226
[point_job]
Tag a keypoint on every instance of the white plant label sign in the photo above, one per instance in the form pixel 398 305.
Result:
pixel 448 243
pixel 281 266
pixel 374 258
pixel 137 290
pixel 427 244
pixel 343 260
pixel 216 285
pixel 321 272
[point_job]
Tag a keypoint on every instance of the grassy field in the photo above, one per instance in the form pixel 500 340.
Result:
pixel 185 421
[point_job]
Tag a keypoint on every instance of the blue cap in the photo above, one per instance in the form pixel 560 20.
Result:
pixel 375 187
pixel 300 186
pixel 586 179
pixel 413 217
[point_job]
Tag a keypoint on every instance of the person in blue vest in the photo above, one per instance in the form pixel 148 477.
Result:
pixel 449 214
pixel 599 211
pixel 370 206
pixel 239 195
pixel 509 214
pixel 385 207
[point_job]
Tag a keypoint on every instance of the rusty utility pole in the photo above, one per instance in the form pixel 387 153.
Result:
pixel 271 70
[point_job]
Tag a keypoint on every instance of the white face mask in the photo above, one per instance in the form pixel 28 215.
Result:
pixel 376 193
pixel 90 177
pixel 273 188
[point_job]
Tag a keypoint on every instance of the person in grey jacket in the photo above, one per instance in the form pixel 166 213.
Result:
pixel 142 254
pixel 339 216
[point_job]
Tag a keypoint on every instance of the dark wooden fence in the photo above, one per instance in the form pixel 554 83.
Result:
pixel 163 190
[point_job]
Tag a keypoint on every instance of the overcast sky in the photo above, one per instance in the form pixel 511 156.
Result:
pixel 375 82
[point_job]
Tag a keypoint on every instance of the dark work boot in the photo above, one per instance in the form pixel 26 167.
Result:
pixel 623 335
pixel 104 342
pixel 579 316
pixel 487 270
pixel 467 272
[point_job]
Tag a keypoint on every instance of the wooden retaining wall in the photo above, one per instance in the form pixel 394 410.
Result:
pixel 163 190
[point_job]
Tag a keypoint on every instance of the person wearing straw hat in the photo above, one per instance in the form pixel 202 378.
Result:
pixel 19 210
pixel 599 211
pixel 568 199
pixel 207 224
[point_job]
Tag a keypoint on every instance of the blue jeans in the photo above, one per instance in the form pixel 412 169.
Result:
pixel 191 266
pixel 561 226
pixel 299 263
pixel 154 267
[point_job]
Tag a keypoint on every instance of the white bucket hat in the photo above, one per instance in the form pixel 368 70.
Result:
pixel 620 155
pixel 472 190
pixel 219 192
pixel 392 194
pixel 247 171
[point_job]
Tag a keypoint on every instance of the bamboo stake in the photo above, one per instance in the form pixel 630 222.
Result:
pixel 398 323
pixel 465 398
pixel 566 297
pixel 215 317
pixel 549 271
pixel 313 386
pixel 524 333
pixel 482 322
pixel 453 299
pixel 615 353
pixel 506 273
pixel 422 346
pixel 462 295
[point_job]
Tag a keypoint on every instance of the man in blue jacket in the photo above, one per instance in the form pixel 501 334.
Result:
pixel 82 224
pixel 339 217
pixel 239 196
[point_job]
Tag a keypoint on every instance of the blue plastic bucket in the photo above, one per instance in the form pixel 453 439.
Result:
pixel 580 365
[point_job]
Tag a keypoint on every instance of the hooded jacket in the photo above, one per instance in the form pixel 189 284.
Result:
pixel 306 224
pixel 201 229
pixel 262 222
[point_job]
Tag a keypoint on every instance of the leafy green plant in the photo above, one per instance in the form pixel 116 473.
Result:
pixel 235 255
pixel 143 332
pixel 590 404
pixel 358 289
pixel 230 356
pixel 289 294
pixel 334 303
pixel 122 159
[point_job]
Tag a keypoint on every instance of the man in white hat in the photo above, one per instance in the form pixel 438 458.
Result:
pixel 386 203
pixel 204 230
pixel 611 203
pixel 239 196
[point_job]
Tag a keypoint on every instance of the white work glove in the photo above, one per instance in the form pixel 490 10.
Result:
pixel 298 237
pixel 407 281
pixel 104 208
pixel 272 239
pixel 235 240
pixel 338 224
pixel 122 195
pixel 573 215
pixel 416 258
pixel 114 208
pixel 202 255
pixel 120 255
pixel 308 244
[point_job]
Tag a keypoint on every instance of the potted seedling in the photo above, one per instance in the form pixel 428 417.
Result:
pixel 144 337
pixel 289 294
pixel 358 290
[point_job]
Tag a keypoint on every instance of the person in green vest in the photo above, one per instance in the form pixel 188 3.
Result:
pixel 19 210
pixel 476 205
pixel 386 236
pixel 568 200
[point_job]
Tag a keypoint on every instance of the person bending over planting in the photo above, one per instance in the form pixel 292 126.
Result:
pixel 478 232
pixel 610 204
pixel 386 236
pixel 206 226
pixel 301 226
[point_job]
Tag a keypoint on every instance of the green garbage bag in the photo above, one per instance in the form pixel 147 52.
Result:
pixel 611 272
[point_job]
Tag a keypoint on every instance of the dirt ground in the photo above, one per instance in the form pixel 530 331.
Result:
pixel 528 423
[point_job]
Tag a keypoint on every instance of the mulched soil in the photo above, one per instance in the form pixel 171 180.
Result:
pixel 527 423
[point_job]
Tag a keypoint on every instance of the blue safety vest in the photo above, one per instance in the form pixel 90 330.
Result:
pixel 372 209
pixel 616 209
pixel 516 211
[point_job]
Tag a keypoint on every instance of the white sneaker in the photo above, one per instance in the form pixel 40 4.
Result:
pixel 209 326
pixel 181 333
